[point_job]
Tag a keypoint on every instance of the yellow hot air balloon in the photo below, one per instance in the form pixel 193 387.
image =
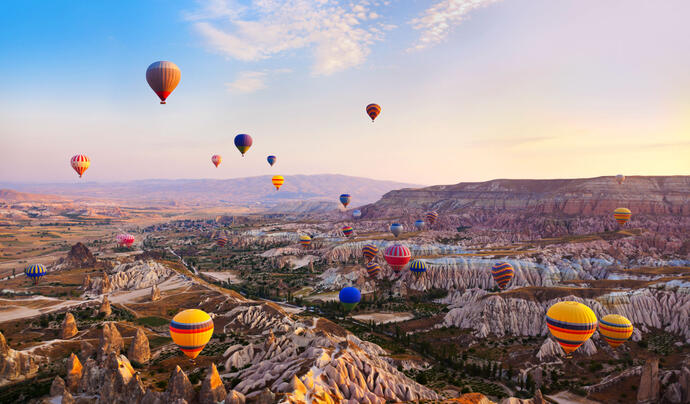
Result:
pixel 615 329
pixel 277 181
pixel 191 330
pixel 571 324
pixel 622 215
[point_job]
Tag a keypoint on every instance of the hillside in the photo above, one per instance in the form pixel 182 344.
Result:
pixel 8 195
pixel 655 195
pixel 237 191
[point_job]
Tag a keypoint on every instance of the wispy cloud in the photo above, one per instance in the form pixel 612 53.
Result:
pixel 338 34
pixel 251 81
pixel 437 21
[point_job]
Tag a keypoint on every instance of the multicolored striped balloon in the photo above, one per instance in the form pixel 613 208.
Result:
pixel 502 272
pixel 271 159
pixel 396 229
pixel 349 298
pixel 221 241
pixel 370 251
pixel 615 329
pixel 571 324
pixel 278 181
pixel 373 269
pixel 622 215
pixel 418 268
pixel 191 330
pixel 347 230
pixel 35 272
pixel 216 159
pixel 243 142
pixel 419 224
pixel 163 77
pixel 431 217
pixel 620 178
pixel 373 110
pixel 345 199
pixel 80 163
pixel 397 256
pixel 305 241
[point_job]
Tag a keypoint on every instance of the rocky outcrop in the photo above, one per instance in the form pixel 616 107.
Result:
pixel 79 256
pixel 212 388
pixel 86 282
pixel 74 373
pixel 17 365
pixel 105 307
pixel 179 387
pixel 648 390
pixel 110 341
pixel 128 276
pixel 105 286
pixel 685 384
pixel 86 350
pixel 58 387
pixel 69 326
pixel 235 397
pixel 139 350
pixel 155 293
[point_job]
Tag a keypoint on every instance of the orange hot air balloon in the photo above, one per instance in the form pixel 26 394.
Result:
pixel 163 77
pixel 622 215
pixel 80 163
pixel 216 159
pixel 373 110
pixel 277 181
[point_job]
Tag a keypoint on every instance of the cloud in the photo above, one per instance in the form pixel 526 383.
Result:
pixel 247 82
pixel 437 21
pixel 338 35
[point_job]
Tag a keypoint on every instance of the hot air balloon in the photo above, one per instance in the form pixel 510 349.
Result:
pixel 243 143
pixel 125 240
pixel 216 159
pixel 622 215
pixel 356 213
pixel 373 269
pixel 347 230
pixel 349 297
pixel 615 329
pixel 271 160
pixel 35 272
pixel 305 241
pixel 80 163
pixel 370 251
pixel 221 240
pixel 571 324
pixel 502 272
pixel 163 77
pixel 418 268
pixel 620 178
pixel 396 229
pixel 373 110
pixel 345 199
pixel 397 256
pixel 431 217
pixel 191 330
pixel 277 181
pixel 419 224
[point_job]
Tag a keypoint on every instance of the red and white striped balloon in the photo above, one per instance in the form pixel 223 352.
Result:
pixel 125 240
pixel 80 163
pixel 397 256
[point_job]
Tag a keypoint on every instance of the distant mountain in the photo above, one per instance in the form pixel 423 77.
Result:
pixel 250 191
pixel 655 195
pixel 8 195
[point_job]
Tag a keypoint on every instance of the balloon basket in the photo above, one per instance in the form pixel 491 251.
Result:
pixel 162 102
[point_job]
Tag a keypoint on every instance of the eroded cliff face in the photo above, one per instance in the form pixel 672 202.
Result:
pixel 129 276
pixel 16 365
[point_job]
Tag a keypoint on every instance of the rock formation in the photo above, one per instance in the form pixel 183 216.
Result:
pixel 155 293
pixel 212 388
pixel 69 326
pixel 58 387
pixel 685 384
pixel 105 307
pixel 179 386
pixel 79 256
pixel 139 350
pixel 134 275
pixel 110 341
pixel 235 397
pixel 105 286
pixel 17 365
pixel 86 282
pixel 74 373
pixel 86 350
pixel 648 390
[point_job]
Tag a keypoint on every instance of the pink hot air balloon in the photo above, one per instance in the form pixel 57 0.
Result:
pixel 216 159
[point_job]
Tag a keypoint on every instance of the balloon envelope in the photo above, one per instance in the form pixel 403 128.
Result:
pixel 370 251
pixel 191 330
pixel 373 269
pixel 418 268
pixel 216 159
pixel 305 241
pixel 373 110
pixel 431 217
pixel 277 181
pixel 345 199
pixel 620 178
pixel 397 256
pixel 419 224
pixel 356 213
pixel 396 229
pixel 615 329
pixel 347 230
pixel 80 163
pixel 622 215
pixel 349 297
pixel 163 77
pixel 502 272
pixel 243 142
pixel 571 324
pixel 35 272
pixel 271 160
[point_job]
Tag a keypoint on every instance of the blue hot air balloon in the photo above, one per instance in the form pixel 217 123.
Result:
pixel 271 160
pixel 345 199
pixel 349 297
pixel 356 213
pixel 243 143
pixel 396 229
pixel 419 224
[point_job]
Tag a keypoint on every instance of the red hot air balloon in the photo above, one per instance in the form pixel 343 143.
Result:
pixel 216 159
pixel 397 256
pixel 80 163
pixel 163 77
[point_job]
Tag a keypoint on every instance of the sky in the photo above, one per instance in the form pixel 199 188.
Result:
pixel 470 90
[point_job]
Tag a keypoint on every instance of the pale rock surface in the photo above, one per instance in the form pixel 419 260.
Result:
pixel 105 307
pixel 648 390
pixel 179 386
pixel 57 388
pixel 17 365
pixel 139 349
pixel 69 326
pixel 110 341
pixel 212 388
pixel 86 349
pixel 235 397
pixel 155 293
